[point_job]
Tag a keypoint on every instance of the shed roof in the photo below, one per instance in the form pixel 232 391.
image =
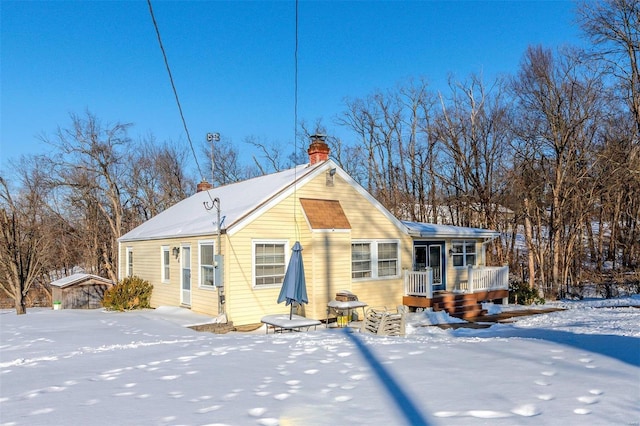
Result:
pixel 78 278
pixel 430 230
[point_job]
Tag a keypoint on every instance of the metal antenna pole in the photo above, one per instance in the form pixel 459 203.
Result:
pixel 213 137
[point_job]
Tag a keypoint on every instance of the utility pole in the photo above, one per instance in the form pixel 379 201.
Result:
pixel 215 203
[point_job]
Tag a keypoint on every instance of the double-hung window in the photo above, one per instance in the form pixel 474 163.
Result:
pixel 269 262
pixel 207 264
pixel 360 260
pixel 165 257
pixel 387 259
pixel 463 253
pixel 375 259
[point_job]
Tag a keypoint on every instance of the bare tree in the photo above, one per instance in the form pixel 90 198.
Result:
pixel 23 244
pixel 558 114
pixel 394 153
pixel 91 166
pixel 272 158
pixel 473 128
pixel 614 29
pixel 228 163
pixel 157 182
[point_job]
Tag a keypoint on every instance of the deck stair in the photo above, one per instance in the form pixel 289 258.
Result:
pixel 465 306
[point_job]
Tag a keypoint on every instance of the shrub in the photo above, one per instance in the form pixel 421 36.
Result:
pixel 129 293
pixel 522 294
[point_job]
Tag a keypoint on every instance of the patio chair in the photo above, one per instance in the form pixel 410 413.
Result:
pixel 384 322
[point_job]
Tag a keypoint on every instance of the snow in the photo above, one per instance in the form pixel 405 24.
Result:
pixel 449 231
pixel 189 217
pixel 77 277
pixel 76 367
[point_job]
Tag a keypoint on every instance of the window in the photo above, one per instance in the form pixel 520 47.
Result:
pixel 360 260
pixel 374 259
pixel 387 259
pixel 129 261
pixel 463 253
pixel 269 262
pixel 165 264
pixel 207 264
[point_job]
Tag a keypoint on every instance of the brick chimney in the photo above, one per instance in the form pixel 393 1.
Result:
pixel 203 186
pixel 318 150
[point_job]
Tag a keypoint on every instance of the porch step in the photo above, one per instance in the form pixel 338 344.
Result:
pixel 463 306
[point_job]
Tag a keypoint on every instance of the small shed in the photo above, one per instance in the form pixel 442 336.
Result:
pixel 80 291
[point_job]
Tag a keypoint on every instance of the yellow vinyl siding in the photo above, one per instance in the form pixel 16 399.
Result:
pixel 246 304
pixel 326 254
pixel 329 270
pixel 457 274
pixel 147 264
pixel 367 223
pixel 203 300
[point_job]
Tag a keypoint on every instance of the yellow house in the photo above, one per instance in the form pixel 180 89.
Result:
pixel 225 250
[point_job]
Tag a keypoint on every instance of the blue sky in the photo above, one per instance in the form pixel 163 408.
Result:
pixel 233 61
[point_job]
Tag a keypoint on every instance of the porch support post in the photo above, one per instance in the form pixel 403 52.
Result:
pixel 470 278
pixel 406 282
pixel 429 282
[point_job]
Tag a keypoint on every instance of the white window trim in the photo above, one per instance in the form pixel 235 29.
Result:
pixel 253 261
pixel 163 267
pixel 128 265
pixel 373 244
pixel 464 253
pixel 200 274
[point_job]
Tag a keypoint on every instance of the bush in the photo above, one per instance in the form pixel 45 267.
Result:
pixel 522 294
pixel 129 293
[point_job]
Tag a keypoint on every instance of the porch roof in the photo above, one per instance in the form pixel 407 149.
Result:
pixel 430 230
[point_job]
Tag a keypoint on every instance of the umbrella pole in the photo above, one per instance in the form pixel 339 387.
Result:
pixel 291 312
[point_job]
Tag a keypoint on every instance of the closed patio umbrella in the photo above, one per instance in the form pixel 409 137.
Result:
pixel 294 286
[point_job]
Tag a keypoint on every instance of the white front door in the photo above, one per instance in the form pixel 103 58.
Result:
pixel 185 292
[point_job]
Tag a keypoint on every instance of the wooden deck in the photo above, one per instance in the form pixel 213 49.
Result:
pixel 460 305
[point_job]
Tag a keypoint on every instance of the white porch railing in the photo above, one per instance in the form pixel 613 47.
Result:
pixel 419 283
pixel 482 278
pixel 485 278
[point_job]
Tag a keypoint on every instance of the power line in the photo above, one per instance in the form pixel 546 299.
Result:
pixel 295 129
pixel 173 86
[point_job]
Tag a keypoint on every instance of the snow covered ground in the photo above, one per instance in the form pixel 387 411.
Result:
pixel 573 367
